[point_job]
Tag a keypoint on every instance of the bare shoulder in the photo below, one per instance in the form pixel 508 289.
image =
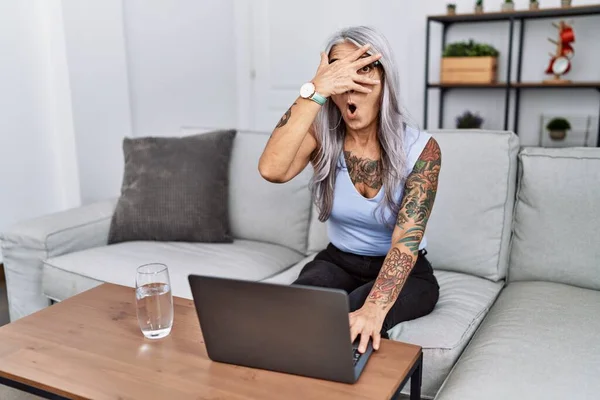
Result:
pixel 430 158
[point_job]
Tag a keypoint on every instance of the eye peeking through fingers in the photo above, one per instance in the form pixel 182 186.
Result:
pixel 368 69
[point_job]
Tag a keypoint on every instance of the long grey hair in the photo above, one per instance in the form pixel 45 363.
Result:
pixel 330 129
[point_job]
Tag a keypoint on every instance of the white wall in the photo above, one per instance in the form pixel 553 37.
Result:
pixel 100 92
pixel 141 68
pixel 33 155
pixel 182 64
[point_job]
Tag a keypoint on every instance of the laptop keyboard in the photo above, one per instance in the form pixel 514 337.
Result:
pixel 356 355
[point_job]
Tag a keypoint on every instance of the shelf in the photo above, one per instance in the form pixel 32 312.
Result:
pixel 468 85
pixel 572 11
pixel 572 85
pixel 521 85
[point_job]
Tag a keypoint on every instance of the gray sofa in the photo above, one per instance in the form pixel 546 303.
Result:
pixel 469 235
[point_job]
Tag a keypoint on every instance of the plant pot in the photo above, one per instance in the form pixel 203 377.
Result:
pixel 451 10
pixel 558 135
pixel 534 6
pixel 508 6
pixel 482 70
pixel 565 3
pixel 478 9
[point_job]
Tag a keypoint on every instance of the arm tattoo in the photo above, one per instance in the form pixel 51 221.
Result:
pixel 364 170
pixel 286 117
pixel 391 278
pixel 419 194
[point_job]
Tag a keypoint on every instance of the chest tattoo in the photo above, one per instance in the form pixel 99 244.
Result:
pixel 364 170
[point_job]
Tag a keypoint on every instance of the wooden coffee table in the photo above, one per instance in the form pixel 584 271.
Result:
pixel 90 347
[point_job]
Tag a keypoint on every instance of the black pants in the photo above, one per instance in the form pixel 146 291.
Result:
pixel 333 268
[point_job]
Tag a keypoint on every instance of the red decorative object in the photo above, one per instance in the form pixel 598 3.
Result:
pixel 560 62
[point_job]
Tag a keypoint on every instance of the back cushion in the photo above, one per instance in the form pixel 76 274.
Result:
pixel 264 211
pixel 469 228
pixel 556 227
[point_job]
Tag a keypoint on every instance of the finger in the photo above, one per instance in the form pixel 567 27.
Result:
pixel 364 341
pixel 358 52
pixel 361 62
pixel 365 80
pixel 376 341
pixel 354 331
pixel 358 88
pixel 324 59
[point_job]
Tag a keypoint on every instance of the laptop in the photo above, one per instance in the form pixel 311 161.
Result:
pixel 294 329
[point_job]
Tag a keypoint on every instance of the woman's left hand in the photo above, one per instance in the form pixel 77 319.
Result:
pixel 367 322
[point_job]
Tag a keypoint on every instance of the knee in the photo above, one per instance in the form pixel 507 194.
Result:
pixel 309 275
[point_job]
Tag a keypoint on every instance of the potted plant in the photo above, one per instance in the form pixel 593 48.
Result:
pixel 468 120
pixel 557 128
pixel 479 7
pixel 565 3
pixel 534 5
pixel 508 5
pixel 469 62
pixel 451 8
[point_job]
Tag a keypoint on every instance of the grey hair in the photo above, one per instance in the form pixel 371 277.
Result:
pixel 330 129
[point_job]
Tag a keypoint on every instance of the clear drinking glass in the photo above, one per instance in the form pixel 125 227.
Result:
pixel 154 301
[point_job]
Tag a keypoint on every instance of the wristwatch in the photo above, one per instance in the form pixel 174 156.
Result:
pixel 308 91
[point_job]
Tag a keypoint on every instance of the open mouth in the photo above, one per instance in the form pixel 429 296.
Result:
pixel 351 109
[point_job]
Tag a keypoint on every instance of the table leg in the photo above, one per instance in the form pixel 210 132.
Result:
pixel 415 380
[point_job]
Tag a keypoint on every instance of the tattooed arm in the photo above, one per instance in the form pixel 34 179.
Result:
pixel 291 144
pixel 419 195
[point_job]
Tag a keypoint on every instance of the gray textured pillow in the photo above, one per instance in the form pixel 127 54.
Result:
pixel 175 189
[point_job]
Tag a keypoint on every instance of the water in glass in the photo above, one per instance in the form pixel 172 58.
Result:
pixel 154 301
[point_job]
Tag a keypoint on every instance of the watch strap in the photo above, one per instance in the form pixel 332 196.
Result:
pixel 317 98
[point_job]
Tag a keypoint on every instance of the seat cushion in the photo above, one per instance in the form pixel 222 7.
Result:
pixel 539 341
pixel 289 275
pixel 444 333
pixel 470 225
pixel 556 230
pixel 66 275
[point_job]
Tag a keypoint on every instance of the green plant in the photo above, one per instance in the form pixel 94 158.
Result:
pixel 468 120
pixel 533 1
pixel 508 1
pixel 479 3
pixel 451 5
pixel 558 124
pixel 469 49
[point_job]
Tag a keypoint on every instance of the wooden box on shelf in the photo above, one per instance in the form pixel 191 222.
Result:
pixel 469 70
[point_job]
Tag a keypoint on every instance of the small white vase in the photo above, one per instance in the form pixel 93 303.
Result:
pixel 451 11
pixel 565 3
pixel 478 9
pixel 534 6
pixel 508 6
pixel 558 135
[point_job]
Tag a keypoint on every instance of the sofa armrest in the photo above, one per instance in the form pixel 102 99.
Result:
pixel 26 245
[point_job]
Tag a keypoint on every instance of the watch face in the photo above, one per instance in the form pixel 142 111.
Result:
pixel 307 90
pixel 560 66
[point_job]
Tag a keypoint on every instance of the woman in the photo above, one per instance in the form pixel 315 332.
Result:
pixel 375 182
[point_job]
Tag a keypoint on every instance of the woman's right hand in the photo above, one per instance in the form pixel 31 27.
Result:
pixel 342 75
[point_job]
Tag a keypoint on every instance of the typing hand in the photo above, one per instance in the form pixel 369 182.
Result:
pixel 367 322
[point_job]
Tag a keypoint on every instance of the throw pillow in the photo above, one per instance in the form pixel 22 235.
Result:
pixel 175 189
